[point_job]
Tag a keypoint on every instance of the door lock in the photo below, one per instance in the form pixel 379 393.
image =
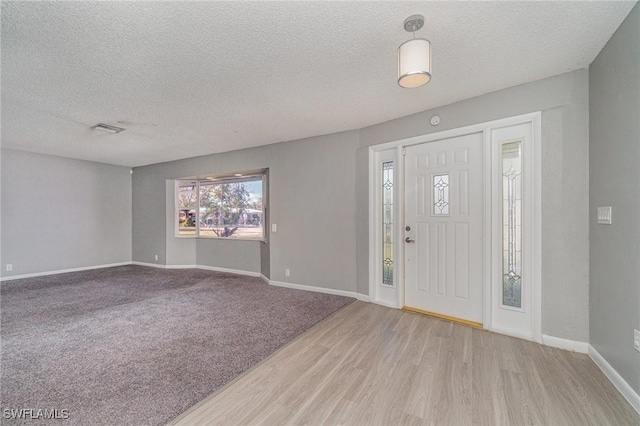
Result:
pixel 409 240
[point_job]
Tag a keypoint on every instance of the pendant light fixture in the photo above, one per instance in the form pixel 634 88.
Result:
pixel 414 56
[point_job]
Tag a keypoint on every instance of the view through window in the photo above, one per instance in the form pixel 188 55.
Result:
pixel 222 207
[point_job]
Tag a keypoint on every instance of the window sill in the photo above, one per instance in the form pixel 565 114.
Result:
pixel 193 237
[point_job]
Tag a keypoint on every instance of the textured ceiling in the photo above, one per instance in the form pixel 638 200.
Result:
pixel 188 79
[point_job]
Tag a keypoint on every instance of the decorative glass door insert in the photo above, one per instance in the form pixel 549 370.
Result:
pixel 387 223
pixel 441 195
pixel 512 224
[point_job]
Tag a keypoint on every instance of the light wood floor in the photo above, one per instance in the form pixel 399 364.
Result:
pixel 369 365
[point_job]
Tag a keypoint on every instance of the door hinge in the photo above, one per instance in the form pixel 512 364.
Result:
pixel 404 151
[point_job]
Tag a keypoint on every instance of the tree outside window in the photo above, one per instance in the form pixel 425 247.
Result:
pixel 228 208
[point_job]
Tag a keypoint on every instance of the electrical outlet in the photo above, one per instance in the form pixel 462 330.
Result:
pixel 287 273
pixel 636 340
pixel 9 267
pixel 156 257
pixel 604 215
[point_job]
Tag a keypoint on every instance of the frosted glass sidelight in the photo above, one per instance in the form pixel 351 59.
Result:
pixel 512 224
pixel 387 223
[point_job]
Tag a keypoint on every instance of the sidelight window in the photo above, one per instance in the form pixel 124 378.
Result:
pixel 512 224
pixel 387 223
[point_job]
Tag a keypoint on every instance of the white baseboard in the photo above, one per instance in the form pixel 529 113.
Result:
pixel 203 267
pixel 613 376
pixel 512 333
pixel 362 297
pixel 180 266
pixel 383 303
pixel 151 265
pixel 63 271
pixel 625 389
pixel 566 344
pixel 229 271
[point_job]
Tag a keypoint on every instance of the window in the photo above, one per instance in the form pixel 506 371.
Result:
pixel 387 223
pixel 512 224
pixel 187 204
pixel 222 207
pixel 441 195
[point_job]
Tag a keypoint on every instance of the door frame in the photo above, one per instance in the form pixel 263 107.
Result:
pixel 394 296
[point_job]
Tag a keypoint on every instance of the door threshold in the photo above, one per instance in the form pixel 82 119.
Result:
pixel 446 317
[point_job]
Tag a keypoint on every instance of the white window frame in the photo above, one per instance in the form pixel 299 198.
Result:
pixel 220 179
pixel 380 293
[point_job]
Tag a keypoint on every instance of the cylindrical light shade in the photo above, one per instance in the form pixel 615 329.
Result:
pixel 414 63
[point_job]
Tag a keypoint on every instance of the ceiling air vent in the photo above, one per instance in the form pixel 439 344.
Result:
pixel 107 128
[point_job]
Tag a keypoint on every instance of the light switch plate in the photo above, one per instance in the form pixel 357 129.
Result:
pixel 604 215
pixel 274 227
pixel 636 340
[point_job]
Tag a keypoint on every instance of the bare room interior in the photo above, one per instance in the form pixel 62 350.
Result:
pixel 320 212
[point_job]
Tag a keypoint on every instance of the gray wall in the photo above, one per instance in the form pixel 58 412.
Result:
pixel 319 190
pixel 318 198
pixel 614 86
pixel 59 213
pixel 564 103
pixel 312 200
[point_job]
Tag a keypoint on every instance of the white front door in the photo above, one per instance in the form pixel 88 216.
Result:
pixel 444 202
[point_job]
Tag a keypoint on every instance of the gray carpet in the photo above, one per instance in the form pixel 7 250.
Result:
pixel 136 345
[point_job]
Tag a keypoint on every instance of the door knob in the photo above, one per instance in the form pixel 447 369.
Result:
pixel 409 240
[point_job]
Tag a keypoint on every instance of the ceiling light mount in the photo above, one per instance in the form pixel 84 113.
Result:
pixel 413 23
pixel 414 56
pixel 107 128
